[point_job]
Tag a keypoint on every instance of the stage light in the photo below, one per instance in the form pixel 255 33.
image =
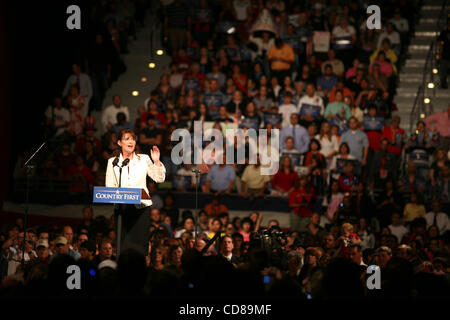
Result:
pixel 231 30
pixel 430 85
pixel 426 100
pixel 422 116
pixel 159 52
pixel 435 70
pixel 151 65
pixel 144 79
pixel 135 93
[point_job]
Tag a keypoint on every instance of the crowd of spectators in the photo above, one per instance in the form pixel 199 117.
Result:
pixel 361 189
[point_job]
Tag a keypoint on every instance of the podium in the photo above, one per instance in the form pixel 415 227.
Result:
pixel 119 197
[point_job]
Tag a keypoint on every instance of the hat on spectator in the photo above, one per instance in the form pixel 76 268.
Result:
pixel 107 264
pixel 60 240
pixel 42 243
pixel 90 124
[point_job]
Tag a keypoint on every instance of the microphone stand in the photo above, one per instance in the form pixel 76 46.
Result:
pixel 197 181
pixel 29 168
pixel 119 218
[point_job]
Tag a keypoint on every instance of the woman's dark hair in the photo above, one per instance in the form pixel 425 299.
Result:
pixel 247 220
pixel 319 146
pixel 346 145
pixel 123 132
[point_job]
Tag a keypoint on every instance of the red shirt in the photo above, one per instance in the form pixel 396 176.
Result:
pixel 302 196
pixel 284 181
pixel 183 64
pixel 390 134
pixel 346 182
pixel 374 138
pixel 80 178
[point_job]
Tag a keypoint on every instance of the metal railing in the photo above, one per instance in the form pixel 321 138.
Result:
pixel 423 103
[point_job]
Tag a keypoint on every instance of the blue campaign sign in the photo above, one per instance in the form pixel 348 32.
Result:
pixel 341 163
pixel 373 123
pixel 296 158
pixel 310 109
pixel 273 118
pixel 117 195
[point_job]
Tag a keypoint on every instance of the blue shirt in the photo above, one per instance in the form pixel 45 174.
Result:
pixel 300 135
pixel 213 98
pixel 356 141
pixel 326 83
pixel 220 178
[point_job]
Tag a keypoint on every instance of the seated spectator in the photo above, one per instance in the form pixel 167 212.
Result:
pixel 437 218
pixel 392 35
pixel 336 64
pixel 414 209
pixel 395 136
pixel 397 226
pixel 284 181
pixel 263 101
pixel 388 54
pixel 188 226
pixel 214 208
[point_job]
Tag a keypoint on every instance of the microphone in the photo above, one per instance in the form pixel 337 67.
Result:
pixel 115 162
pixel 125 162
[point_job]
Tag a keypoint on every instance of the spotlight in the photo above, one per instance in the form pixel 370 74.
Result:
pixel 144 79
pixel 422 116
pixel 435 70
pixel 426 100
pixel 151 65
pixel 159 52
pixel 430 85
pixel 135 93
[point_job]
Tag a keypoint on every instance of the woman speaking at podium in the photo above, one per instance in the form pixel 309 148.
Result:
pixel 135 168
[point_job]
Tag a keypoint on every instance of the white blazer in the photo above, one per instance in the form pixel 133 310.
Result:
pixel 134 175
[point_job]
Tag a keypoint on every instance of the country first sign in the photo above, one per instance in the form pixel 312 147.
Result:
pixel 117 195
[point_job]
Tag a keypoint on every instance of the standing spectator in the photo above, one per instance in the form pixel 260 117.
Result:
pixel 297 132
pixel 440 122
pixel 327 81
pixel 395 136
pixel 336 65
pixel 220 178
pixel 310 100
pixel 281 57
pixel 287 108
pixel 357 141
pixel 329 144
pixel 177 21
pixel 252 181
pixel 285 180
pixel 57 117
pixel 83 82
pixel 343 37
pixel 383 166
pixel 300 202
pixel 109 115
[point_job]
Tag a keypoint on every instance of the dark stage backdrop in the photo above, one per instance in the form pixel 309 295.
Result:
pixel 38 57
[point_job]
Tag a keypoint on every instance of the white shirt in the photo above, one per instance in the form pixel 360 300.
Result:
pixel 85 85
pixel 109 115
pixel 134 175
pixel 286 110
pixel 394 37
pixel 315 100
pixel 442 221
pixel 327 146
pixel 398 231
pixel 59 117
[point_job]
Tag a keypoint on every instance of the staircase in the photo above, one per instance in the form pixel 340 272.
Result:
pixel 411 75
pixel 137 62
